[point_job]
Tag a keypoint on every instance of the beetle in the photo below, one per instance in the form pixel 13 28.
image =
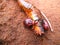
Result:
pixel 34 19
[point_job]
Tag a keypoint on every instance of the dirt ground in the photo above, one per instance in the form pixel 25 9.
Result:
pixel 12 31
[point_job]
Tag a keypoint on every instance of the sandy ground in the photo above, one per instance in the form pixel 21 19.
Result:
pixel 12 31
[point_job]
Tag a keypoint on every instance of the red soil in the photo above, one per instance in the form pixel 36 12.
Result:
pixel 12 31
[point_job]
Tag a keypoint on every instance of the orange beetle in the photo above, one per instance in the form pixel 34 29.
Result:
pixel 29 10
